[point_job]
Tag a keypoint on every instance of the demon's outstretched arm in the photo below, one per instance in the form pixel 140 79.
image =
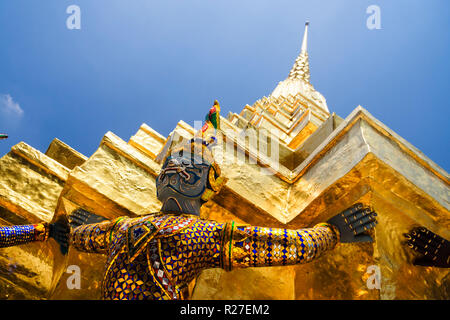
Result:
pixel 93 237
pixel 16 235
pixel 23 234
pixel 249 246
pixel 261 247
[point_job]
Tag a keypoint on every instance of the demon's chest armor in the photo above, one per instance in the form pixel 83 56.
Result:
pixel 156 256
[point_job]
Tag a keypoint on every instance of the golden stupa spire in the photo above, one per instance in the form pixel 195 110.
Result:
pixel 300 70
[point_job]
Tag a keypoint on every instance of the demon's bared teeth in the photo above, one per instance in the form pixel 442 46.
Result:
pixel 170 170
pixel 180 170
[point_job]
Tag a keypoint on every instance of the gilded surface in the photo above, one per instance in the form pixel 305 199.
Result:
pixel 64 154
pixel 26 188
pixel 30 184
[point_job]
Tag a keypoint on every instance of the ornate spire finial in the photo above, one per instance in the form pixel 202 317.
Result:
pixel 305 38
pixel 300 70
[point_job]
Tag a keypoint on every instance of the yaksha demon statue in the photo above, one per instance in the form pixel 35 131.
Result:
pixel 157 255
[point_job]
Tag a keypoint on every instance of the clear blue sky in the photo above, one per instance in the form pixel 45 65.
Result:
pixel 160 61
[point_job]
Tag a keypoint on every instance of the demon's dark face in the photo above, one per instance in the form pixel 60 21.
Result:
pixel 182 181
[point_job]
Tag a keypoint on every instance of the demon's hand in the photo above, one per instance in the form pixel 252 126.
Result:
pixel 354 222
pixel 434 250
pixel 60 231
pixel 80 217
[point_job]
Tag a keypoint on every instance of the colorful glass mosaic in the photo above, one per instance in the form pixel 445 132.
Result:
pixel 16 235
pixel 156 256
